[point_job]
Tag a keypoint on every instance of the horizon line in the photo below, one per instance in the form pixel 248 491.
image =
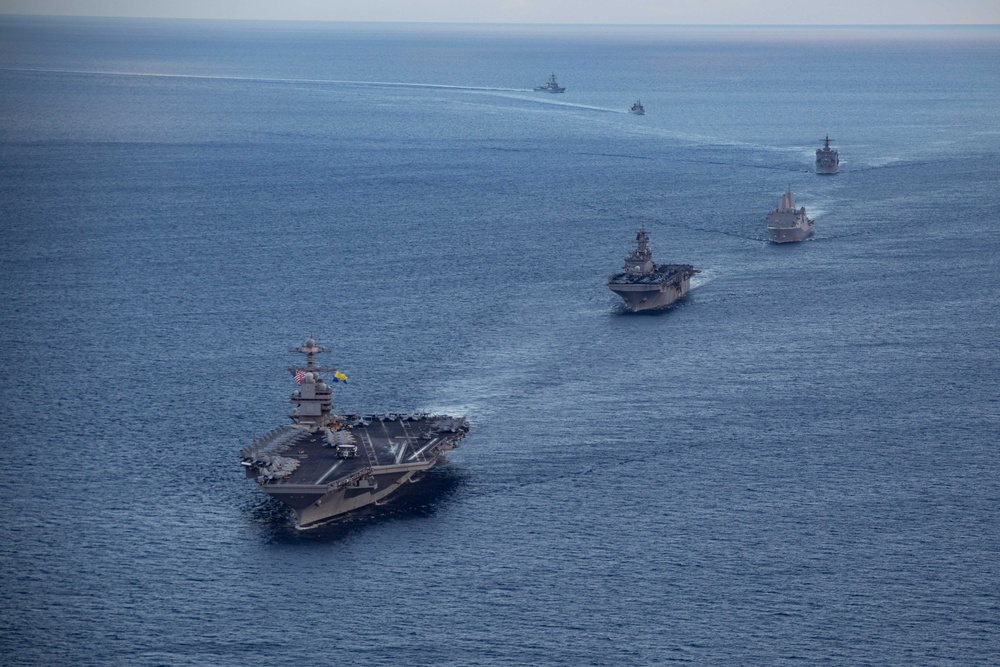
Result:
pixel 505 23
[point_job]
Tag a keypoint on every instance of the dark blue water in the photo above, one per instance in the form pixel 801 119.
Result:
pixel 797 465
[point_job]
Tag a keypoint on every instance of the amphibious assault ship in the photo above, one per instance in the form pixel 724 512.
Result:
pixel 551 86
pixel 827 159
pixel 786 223
pixel 324 465
pixel 648 286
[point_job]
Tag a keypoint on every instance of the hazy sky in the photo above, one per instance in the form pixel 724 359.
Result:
pixel 539 11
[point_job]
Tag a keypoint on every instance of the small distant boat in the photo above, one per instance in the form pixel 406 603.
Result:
pixel 552 86
pixel 637 108
pixel 827 159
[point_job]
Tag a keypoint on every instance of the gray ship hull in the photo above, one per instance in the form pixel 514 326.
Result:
pixel 315 506
pixel 790 234
pixel 303 469
pixel 639 296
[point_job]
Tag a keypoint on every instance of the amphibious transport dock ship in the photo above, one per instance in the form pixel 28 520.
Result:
pixel 648 286
pixel 786 223
pixel 827 159
pixel 325 464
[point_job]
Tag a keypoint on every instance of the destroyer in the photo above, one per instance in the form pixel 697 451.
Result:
pixel 648 286
pixel 827 159
pixel 786 223
pixel 551 86
pixel 324 464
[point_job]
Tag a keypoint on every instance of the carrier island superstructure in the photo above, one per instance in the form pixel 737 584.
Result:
pixel 324 465
pixel 644 285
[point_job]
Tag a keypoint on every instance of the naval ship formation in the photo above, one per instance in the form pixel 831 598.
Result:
pixel 787 223
pixel 647 286
pixel 324 464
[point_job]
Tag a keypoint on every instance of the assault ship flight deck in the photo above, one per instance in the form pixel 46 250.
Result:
pixel 644 285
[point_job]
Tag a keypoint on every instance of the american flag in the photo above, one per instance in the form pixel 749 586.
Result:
pixel 300 375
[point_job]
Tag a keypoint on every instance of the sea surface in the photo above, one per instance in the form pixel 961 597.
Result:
pixel 796 465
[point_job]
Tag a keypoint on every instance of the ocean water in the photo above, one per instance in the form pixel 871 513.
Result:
pixel 796 465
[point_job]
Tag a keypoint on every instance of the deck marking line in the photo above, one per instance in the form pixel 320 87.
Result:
pixel 328 472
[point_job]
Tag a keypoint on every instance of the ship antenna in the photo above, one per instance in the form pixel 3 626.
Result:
pixel 313 398
pixel 310 349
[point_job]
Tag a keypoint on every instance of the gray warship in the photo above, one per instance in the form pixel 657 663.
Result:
pixel 324 465
pixel 637 108
pixel 551 86
pixel 827 159
pixel 786 223
pixel 647 286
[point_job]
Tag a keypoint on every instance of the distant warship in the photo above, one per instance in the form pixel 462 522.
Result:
pixel 324 464
pixel 827 159
pixel 648 286
pixel 551 86
pixel 786 223
pixel 637 108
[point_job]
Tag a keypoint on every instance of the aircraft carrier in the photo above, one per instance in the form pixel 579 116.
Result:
pixel 324 465
pixel 644 285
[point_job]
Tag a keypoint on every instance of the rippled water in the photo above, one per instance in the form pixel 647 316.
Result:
pixel 796 465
